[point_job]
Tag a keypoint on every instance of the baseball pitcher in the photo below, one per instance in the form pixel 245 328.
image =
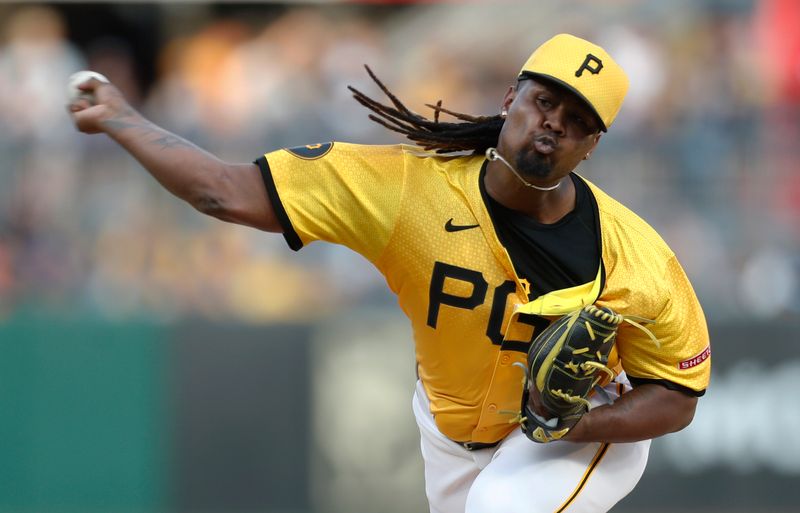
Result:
pixel 555 331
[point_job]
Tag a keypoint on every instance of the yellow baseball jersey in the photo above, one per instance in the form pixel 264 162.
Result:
pixel 422 222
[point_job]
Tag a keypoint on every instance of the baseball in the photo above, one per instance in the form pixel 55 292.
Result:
pixel 73 93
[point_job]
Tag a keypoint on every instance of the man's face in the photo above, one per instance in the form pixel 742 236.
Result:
pixel 548 131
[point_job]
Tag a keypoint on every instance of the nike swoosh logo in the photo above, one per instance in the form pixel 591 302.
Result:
pixel 450 227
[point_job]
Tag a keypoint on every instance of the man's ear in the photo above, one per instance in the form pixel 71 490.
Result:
pixel 508 98
pixel 597 137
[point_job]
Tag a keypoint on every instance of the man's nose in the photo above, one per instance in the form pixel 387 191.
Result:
pixel 554 120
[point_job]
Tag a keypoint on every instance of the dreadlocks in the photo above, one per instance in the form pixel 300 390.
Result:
pixel 475 133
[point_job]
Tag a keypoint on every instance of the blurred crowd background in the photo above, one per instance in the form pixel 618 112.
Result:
pixel 705 148
pixel 153 359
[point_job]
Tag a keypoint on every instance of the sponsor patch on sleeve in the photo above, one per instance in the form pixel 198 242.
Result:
pixel 311 151
pixel 694 361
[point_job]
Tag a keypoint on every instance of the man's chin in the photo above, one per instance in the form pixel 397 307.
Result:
pixel 534 169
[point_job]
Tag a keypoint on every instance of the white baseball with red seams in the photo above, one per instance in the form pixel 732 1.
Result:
pixel 78 78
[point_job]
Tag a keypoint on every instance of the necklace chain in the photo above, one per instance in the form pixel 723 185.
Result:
pixel 492 155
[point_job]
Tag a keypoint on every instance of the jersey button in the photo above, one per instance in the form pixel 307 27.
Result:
pixel 505 359
pixel 492 408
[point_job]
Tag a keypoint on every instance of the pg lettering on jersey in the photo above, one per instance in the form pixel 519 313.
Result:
pixel 478 287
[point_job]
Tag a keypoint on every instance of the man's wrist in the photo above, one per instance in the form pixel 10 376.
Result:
pixel 580 431
pixel 124 119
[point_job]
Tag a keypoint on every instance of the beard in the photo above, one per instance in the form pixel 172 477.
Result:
pixel 532 165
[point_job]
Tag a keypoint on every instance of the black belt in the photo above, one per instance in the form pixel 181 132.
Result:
pixel 477 446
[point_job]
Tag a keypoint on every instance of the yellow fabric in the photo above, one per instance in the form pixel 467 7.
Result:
pixel 586 69
pixel 391 204
pixel 349 196
pixel 634 253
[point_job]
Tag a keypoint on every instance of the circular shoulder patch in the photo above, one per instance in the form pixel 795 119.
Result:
pixel 311 151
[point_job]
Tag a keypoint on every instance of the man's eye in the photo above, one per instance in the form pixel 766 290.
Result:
pixel 544 102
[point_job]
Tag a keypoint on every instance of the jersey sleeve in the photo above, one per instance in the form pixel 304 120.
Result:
pixel 681 358
pixel 341 193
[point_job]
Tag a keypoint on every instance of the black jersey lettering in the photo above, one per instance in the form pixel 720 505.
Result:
pixel 438 297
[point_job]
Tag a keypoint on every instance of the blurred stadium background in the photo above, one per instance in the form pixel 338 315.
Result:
pixel 153 360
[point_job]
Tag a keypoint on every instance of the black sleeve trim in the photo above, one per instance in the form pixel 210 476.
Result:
pixel 666 384
pixel 292 239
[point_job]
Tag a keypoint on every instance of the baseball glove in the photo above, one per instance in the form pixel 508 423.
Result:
pixel 565 362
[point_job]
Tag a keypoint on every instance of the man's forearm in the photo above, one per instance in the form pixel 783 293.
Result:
pixel 183 168
pixel 648 411
pixel 230 192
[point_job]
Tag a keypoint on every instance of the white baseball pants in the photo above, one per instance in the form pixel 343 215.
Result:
pixel 521 476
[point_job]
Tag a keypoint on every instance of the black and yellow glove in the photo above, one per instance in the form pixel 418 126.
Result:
pixel 565 362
